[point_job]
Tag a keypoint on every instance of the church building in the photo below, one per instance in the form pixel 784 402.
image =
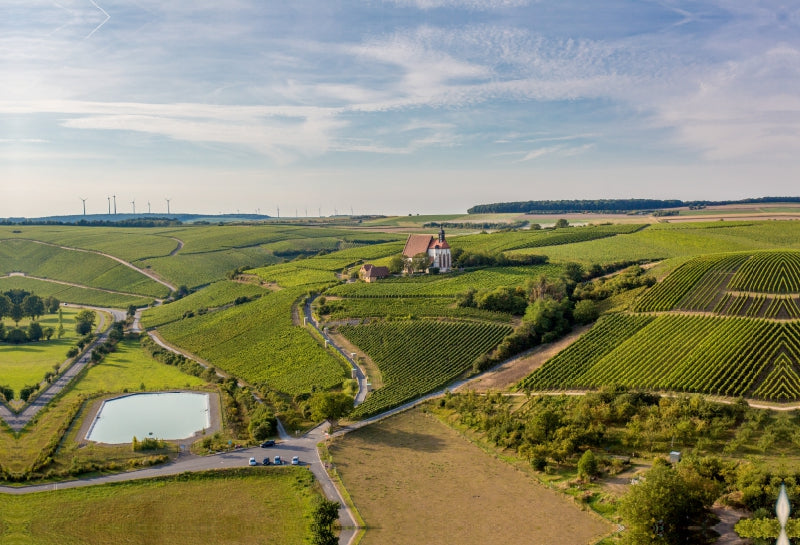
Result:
pixel 437 250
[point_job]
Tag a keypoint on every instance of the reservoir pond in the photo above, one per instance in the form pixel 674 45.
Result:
pixel 165 415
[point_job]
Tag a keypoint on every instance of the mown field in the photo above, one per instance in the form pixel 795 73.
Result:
pixel 127 369
pixel 246 507
pixel 415 480
pixel 26 364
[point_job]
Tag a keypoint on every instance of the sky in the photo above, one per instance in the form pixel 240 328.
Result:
pixel 392 106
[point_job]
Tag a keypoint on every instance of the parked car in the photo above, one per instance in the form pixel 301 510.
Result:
pixel 296 461
pixel 268 443
pixel 278 461
pixel 266 461
pixel 253 462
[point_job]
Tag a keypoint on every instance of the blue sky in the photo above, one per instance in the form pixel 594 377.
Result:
pixel 393 106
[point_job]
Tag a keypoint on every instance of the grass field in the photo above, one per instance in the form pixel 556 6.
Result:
pixel 26 364
pixel 414 480
pixel 129 368
pixel 248 507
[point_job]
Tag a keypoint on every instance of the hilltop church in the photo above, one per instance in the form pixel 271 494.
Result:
pixel 437 249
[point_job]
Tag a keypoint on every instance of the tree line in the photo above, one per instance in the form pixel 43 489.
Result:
pixel 18 304
pixel 608 205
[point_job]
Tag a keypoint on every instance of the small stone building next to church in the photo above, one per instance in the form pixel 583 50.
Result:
pixel 437 249
pixel 371 273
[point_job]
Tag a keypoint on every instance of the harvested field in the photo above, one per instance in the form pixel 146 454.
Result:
pixel 415 480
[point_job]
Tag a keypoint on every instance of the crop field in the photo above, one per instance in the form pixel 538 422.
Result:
pixel 447 285
pixel 381 307
pixel 755 284
pixel 84 268
pixel 518 240
pixel 661 241
pixel 415 480
pixel 239 507
pixel 258 342
pixel 417 356
pixel 720 356
pixel 72 294
pixel 198 269
pixel 220 293
pixel 26 364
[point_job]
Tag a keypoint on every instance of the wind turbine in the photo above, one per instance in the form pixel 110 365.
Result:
pixel 167 205
pixel 133 204
pixel 115 204
pixel 109 205
pixel 84 205
pixel 148 208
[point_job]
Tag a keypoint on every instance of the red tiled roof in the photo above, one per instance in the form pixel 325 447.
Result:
pixel 417 244
pixel 371 271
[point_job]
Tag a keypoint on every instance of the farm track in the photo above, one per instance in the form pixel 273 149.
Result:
pixel 177 248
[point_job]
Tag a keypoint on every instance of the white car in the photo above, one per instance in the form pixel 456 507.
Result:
pixel 295 460
pixel 253 462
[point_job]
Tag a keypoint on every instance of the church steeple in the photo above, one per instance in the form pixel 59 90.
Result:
pixel 441 234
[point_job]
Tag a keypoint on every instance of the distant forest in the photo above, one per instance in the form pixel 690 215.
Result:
pixel 607 206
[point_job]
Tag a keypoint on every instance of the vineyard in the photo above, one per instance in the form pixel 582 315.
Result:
pixel 363 307
pixel 712 355
pixel 85 268
pixel 753 284
pixel 219 294
pixel 447 285
pixel 259 343
pixel 418 356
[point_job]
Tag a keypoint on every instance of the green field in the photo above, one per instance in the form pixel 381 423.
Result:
pixel 127 369
pixel 259 343
pixel 247 507
pixel 79 267
pixel 745 343
pixel 216 295
pixel 397 307
pixel 26 364
pixel 416 357
pixel 72 294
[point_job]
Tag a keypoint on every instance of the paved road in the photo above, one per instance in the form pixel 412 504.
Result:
pixel 362 380
pixel 18 421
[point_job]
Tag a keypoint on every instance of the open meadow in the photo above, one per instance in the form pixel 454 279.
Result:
pixel 233 507
pixel 415 480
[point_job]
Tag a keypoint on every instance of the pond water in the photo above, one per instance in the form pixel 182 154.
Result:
pixel 165 415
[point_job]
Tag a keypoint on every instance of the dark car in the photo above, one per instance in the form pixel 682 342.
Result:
pixel 266 461
pixel 268 443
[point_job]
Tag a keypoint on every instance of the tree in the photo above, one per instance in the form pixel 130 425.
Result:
pixel 396 264
pixel 561 223
pixel 33 306
pixel 16 313
pixel 325 514
pixel 35 332
pixel 131 310
pixel 587 466
pixel 48 333
pixel 52 305
pixel 84 321
pixel 586 311
pixel 5 306
pixel 660 510
pixel 330 405
pixel 419 262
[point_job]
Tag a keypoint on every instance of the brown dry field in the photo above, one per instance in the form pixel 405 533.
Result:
pixel 415 480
